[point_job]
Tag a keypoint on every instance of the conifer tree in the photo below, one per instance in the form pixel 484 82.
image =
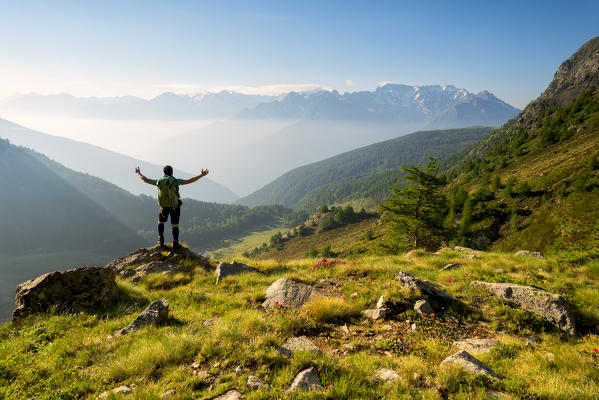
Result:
pixel 417 211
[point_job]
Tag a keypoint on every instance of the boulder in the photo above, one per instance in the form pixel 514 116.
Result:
pixel 301 343
pixel 451 266
pixel 258 384
pixel 146 255
pixel 230 395
pixel 471 257
pixel 474 345
pixel 551 307
pixel 469 363
pixel 305 380
pixel 386 375
pixel 287 292
pixel 154 267
pixel 460 248
pixel 78 288
pixel 156 313
pixel 381 303
pixel 535 254
pixel 232 268
pixel 377 313
pixel 122 390
pixel 425 287
pixel 423 307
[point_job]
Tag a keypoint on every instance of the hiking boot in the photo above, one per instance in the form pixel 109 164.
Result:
pixel 160 243
pixel 176 246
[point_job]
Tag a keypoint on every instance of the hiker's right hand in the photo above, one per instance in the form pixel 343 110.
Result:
pixel 137 170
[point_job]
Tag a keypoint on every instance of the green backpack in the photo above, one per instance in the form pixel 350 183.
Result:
pixel 168 192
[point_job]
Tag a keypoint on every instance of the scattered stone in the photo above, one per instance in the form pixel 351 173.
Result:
pixel 287 292
pixel 306 380
pixel 423 307
pixel 169 393
pixel 196 365
pixel 238 369
pixel 387 327
pixel 536 254
pixel 413 327
pixel 295 344
pixel 381 303
pixel 216 364
pixel 232 268
pixel 532 339
pixel 471 257
pixel 256 383
pixel 345 329
pixel 425 287
pixel 377 313
pixel 476 346
pixel 210 322
pixel 202 375
pixel 451 266
pixel 550 358
pixel 386 375
pixel 77 288
pixel 469 363
pixel 354 294
pixel 154 267
pixel 230 395
pixel 551 307
pixel 122 390
pixel 495 395
pixel 500 271
pixel 156 313
pixel 460 248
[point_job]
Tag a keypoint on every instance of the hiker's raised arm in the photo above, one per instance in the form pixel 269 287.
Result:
pixel 195 178
pixel 143 178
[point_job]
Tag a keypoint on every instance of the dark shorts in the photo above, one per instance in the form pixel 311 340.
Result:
pixel 175 213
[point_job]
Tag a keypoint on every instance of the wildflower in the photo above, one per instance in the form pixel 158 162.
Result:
pixel 353 295
pixel 330 386
pixel 343 298
pixel 307 311
pixel 466 274
pixel 595 350
pixel 432 315
pixel 448 280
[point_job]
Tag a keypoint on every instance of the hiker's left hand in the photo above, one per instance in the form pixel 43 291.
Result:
pixel 137 170
pixel 204 172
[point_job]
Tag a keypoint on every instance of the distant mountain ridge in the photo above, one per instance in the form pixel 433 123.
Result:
pixel 108 165
pixel 430 104
pixel 369 171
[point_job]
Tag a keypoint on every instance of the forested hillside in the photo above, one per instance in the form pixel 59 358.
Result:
pixel 534 182
pixel 366 172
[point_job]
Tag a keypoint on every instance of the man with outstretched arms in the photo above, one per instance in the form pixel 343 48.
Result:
pixel 169 201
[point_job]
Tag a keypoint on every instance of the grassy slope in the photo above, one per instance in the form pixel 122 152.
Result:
pixel 235 247
pixel 69 356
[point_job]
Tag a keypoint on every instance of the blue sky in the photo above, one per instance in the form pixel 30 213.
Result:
pixel 146 47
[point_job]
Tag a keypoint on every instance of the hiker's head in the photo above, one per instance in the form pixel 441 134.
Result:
pixel 168 170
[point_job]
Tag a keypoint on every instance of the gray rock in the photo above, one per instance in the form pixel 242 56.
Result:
pixel 307 379
pixel 471 257
pixel 381 303
pixel 535 254
pixel 289 293
pixel 460 248
pixel 256 383
pixel 495 395
pixel 425 287
pixel 210 322
pixel 423 307
pixel 451 266
pixel 230 395
pixel 232 268
pixel 122 390
pixel 476 346
pixel 500 271
pixel 295 344
pixel 156 313
pixel 124 266
pixel 153 267
pixel 469 363
pixel 386 375
pixel 78 288
pixel 551 307
pixel 377 313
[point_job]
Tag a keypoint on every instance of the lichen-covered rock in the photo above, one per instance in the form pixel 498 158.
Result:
pixel 295 344
pixel 469 363
pixel 230 395
pixel 156 313
pixel 461 248
pixel 475 345
pixel 307 379
pixel 425 287
pixel 153 267
pixel 535 254
pixel 551 307
pixel 232 268
pixel 286 292
pixel 77 288
pixel 256 383
pixel 423 307
pixel 124 266
pixel 451 266
pixel 386 375
pixel 377 313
